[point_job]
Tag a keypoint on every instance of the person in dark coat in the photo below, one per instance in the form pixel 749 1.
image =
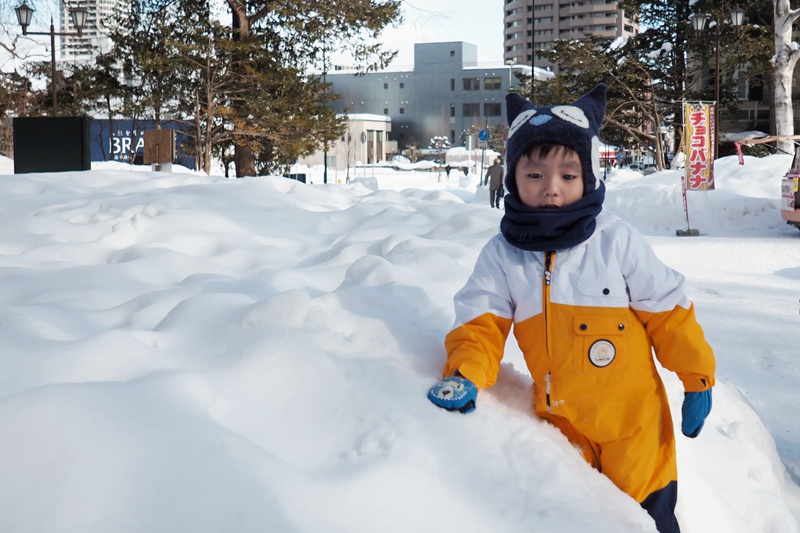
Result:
pixel 494 175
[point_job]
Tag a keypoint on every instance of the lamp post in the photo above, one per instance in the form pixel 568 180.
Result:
pixel 78 15
pixel 699 21
pixel 533 50
pixel 325 148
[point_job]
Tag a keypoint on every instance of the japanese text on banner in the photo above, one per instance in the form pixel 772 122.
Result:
pixel 699 123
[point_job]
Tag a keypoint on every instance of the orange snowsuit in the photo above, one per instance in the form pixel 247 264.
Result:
pixel 586 319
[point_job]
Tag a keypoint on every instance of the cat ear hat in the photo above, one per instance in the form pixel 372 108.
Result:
pixel 576 126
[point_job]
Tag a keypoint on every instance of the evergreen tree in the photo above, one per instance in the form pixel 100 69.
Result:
pixel 650 74
pixel 298 33
pixel 684 60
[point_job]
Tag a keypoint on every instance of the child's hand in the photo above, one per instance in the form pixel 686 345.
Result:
pixel 454 393
pixel 696 406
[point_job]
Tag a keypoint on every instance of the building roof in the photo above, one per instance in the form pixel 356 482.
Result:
pixel 369 116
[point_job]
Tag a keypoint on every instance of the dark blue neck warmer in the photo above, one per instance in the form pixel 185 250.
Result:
pixel 541 230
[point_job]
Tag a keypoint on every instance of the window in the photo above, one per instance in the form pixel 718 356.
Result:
pixel 379 136
pixel 492 109
pixel 385 85
pixel 452 84
pixel 471 110
pixel 472 84
pixel 402 111
pixel 385 110
pixel 402 85
pixel 452 110
pixel 492 83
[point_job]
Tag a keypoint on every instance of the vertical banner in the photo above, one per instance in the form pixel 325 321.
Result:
pixel 698 119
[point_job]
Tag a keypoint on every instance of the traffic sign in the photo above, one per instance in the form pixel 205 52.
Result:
pixel 483 135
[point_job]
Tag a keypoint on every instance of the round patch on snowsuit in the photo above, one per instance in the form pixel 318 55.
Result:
pixel 602 353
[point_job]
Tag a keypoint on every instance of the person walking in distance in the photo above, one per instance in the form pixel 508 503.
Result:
pixel 494 175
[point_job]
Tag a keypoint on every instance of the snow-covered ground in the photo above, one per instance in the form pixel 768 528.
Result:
pixel 182 353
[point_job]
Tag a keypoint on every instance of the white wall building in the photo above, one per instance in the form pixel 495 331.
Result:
pixel 366 142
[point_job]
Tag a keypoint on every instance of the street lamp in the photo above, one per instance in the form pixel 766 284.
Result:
pixel 78 15
pixel 533 50
pixel 325 88
pixel 699 21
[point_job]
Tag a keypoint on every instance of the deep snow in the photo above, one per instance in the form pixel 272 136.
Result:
pixel 189 353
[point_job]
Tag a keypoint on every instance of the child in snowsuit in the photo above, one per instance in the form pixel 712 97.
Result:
pixel 588 299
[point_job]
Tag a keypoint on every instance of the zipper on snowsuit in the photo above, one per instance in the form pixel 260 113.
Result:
pixel 546 281
pixel 588 449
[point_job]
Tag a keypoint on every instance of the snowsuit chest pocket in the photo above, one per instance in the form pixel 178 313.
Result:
pixel 600 343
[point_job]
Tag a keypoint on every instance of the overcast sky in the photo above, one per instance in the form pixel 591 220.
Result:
pixel 479 22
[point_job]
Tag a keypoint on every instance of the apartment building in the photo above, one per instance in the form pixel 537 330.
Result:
pixel 531 26
pixel 444 94
pixel 94 38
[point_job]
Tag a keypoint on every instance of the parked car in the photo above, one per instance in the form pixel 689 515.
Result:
pixel 644 168
pixel 790 192
pixel 790 183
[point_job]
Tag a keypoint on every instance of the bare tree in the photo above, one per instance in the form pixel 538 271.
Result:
pixel 412 150
pixel 786 55
pixel 350 144
pixel 440 144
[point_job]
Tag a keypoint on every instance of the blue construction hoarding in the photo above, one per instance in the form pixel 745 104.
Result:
pixel 126 142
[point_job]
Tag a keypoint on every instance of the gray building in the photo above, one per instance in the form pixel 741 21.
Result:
pixel 444 95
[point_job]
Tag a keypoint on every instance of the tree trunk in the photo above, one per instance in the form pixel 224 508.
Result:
pixel 245 161
pixel 785 60
pixel 244 158
pixel 200 139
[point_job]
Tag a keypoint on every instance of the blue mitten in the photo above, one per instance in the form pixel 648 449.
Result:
pixel 454 393
pixel 696 406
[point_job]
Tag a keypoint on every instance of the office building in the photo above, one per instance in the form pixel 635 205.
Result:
pixel 445 94
pixel 531 26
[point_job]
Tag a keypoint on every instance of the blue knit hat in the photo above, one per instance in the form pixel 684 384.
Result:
pixel 576 126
